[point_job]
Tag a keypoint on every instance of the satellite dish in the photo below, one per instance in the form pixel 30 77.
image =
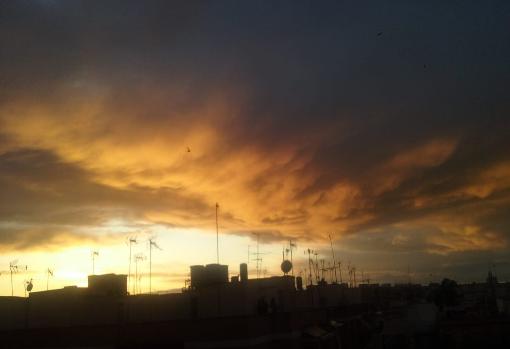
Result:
pixel 286 266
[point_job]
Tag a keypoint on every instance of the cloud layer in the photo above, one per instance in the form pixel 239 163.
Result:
pixel 298 119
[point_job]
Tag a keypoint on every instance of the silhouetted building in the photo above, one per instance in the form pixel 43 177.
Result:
pixel 210 275
pixel 108 285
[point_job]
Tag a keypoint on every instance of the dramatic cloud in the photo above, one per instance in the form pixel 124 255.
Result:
pixel 296 117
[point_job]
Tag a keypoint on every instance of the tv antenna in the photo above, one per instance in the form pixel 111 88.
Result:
pixel 258 259
pixel 365 278
pixel 138 258
pixel 292 246
pixel 151 244
pixel 258 254
pixel 333 255
pixel 131 241
pixel 323 270
pixel 14 268
pixel 310 263
pixel 49 273
pixel 317 276
pixel 349 269
pixel 94 255
pixel 217 236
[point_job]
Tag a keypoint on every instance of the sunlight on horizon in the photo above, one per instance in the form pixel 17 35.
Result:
pixel 180 248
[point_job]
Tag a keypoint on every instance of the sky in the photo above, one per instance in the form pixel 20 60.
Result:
pixel 383 124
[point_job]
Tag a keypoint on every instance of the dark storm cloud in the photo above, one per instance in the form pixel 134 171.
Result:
pixel 443 184
pixel 350 130
pixel 46 199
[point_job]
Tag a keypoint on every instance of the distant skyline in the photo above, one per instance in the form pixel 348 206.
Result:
pixel 384 123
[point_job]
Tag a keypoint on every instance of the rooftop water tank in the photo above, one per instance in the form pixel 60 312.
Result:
pixel 198 278
pixel 243 272
pixel 216 274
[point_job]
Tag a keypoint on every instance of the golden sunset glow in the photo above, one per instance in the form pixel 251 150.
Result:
pixel 107 134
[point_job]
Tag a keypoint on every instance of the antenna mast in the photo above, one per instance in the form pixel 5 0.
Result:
pixel 14 268
pixel 317 276
pixel 291 246
pixel 258 256
pixel 49 272
pixel 334 260
pixel 349 269
pixel 94 254
pixel 310 267
pixel 217 237
pixel 131 241
pixel 150 266
pixel 151 243
pixel 138 257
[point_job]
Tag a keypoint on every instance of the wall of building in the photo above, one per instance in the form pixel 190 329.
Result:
pixel 12 313
pixel 145 308
pixel 79 306
pixel 72 310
